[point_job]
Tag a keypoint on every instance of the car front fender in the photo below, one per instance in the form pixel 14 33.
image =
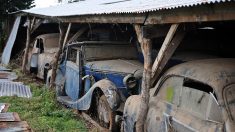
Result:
pixel 107 88
pixel 131 111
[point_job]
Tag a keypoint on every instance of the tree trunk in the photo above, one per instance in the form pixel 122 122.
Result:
pixel 146 46
pixel 25 59
pixel 57 55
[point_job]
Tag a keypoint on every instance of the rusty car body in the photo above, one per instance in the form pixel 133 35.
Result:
pixel 42 53
pixel 98 75
pixel 193 96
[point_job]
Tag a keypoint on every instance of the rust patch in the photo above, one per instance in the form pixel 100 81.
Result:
pixel 158 118
pixel 9 117
pixel 14 126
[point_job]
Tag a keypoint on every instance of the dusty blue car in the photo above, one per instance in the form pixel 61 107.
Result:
pixel 97 77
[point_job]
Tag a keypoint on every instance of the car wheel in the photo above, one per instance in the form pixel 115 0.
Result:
pixel 106 116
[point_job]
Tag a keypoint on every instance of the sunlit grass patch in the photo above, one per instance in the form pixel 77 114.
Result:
pixel 43 113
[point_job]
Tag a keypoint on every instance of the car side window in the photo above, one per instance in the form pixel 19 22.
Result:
pixel 39 45
pixel 72 54
pixel 198 99
pixel 170 90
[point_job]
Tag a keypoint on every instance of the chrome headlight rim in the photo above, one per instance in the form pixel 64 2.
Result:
pixel 130 81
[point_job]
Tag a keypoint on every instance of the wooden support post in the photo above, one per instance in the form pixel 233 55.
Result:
pixel 146 46
pixel 56 58
pixel 169 45
pixel 25 59
pixel 67 34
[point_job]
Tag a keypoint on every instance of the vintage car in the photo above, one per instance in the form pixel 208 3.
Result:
pixel 193 96
pixel 42 53
pixel 98 76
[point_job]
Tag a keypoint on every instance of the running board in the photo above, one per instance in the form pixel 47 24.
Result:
pixel 66 100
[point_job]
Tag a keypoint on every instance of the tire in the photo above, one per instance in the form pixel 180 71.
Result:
pixel 106 116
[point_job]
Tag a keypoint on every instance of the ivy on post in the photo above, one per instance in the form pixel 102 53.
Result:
pixel 146 47
pixel 57 55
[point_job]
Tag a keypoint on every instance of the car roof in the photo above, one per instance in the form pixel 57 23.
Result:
pixel 216 73
pixel 49 35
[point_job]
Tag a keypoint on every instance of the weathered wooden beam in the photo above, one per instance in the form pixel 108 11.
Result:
pixel 171 42
pixel 56 58
pixel 155 31
pixel 203 13
pixel 36 25
pixel 33 22
pixel 78 34
pixel 67 34
pixel 25 58
pixel 146 46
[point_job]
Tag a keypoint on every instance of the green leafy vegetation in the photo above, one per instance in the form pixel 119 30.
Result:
pixel 42 112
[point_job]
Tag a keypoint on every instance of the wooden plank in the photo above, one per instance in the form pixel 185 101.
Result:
pixel 89 119
pixel 21 126
pixel 169 45
pixel 164 47
pixel 9 117
pixel 67 34
pixel 78 34
pixel 36 25
pixel 33 22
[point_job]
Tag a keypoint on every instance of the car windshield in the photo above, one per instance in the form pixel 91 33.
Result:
pixel 230 100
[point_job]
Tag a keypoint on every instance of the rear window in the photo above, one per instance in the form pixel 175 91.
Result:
pixel 52 42
pixel 230 100
pixel 194 97
pixel 200 100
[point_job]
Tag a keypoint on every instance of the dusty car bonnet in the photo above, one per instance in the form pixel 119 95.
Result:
pixel 119 65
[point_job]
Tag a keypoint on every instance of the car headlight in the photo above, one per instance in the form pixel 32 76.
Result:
pixel 130 81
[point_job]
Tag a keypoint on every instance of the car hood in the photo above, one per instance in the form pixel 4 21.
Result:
pixel 119 66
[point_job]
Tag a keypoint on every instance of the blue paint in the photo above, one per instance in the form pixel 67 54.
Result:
pixel 117 79
pixel 72 83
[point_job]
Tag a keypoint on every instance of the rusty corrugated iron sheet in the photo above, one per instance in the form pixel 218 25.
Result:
pixel 14 89
pixel 92 7
pixel 2 68
pixel 5 75
pixel 9 116
pixel 19 126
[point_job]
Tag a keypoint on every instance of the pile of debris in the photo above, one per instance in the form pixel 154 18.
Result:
pixel 10 121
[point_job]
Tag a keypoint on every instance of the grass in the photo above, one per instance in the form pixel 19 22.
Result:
pixel 42 112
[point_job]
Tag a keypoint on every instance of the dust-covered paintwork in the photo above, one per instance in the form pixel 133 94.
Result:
pixel 88 67
pixel 189 97
pixel 42 53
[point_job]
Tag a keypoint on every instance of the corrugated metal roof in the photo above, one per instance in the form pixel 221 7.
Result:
pixel 14 89
pixel 92 7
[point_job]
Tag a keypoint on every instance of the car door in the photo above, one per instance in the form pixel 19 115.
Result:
pixel 198 109
pixel 163 103
pixel 72 73
pixel 179 106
